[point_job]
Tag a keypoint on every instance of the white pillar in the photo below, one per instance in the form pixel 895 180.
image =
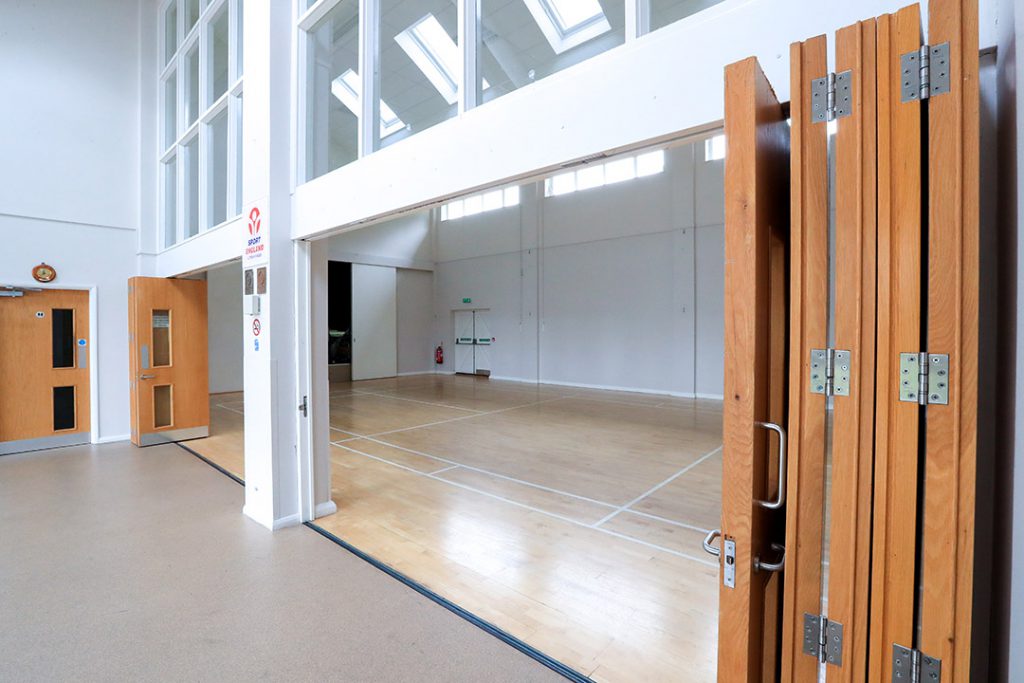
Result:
pixel 271 462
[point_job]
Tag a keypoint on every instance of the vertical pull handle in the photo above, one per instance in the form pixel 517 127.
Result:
pixel 762 566
pixel 780 496
pixel 709 539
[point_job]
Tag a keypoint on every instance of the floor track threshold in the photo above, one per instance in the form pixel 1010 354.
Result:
pixel 237 480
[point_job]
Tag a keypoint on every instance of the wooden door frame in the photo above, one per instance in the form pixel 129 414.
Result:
pixel 94 326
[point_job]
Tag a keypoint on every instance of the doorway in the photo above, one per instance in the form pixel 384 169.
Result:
pixel 44 369
pixel 563 497
pixel 473 342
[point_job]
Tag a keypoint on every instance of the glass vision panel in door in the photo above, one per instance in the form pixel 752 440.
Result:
pixel 63 408
pixel 163 413
pixel 63 323
pixel 161 327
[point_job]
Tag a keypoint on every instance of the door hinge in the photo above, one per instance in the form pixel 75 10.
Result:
pixel 924 73
pixel 924 378
pixel 823 639
pixel 832 97
pixel 913 666
pixel 830 372
pixel 304 406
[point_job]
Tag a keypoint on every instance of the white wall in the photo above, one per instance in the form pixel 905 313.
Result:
pixel 69 184
pixel 403 242
pixel 618 287
pixel 69 77
pixel 224 313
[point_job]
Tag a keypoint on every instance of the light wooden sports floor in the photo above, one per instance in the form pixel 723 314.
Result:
pixel 571 518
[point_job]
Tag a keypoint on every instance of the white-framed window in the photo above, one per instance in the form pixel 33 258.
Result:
pixel 608 173
pixel 492 200
pixel 714 148
pixel 418 74
pixel 200 116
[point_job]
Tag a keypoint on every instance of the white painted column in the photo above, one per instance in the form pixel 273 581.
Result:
pixel 271 463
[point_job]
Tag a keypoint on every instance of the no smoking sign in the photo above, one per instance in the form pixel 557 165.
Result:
pixel 256 327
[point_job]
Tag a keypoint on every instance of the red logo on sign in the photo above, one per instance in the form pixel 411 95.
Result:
pixel 254 221
pixel 256 327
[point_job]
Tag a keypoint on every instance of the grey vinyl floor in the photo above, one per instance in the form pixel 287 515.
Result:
pixel 119 563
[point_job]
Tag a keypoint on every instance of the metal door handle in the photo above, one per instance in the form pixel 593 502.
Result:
pixel 147 376
pixel 760 566
pixel 709 539
pixel 780 496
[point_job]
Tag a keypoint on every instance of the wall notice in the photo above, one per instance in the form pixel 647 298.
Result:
pixel 256 235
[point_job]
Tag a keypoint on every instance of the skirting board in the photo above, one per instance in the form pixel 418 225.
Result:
pixel 112 439
pixel 576 385
pixel 606 387
pixel 280 523
pixel 324 509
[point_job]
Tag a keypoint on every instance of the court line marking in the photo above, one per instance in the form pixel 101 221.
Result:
pixel 483 471
pixel 413 400
pixel 554 515
pixel 666 520
pixel 452 419
pixel 445 469
pixel 353 435
pixel 233 410
pixel 659 486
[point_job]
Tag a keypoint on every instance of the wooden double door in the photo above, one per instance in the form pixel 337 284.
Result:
pixel 851 357
pixel 44 369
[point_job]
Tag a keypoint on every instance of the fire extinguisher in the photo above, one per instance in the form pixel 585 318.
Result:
pixel 439 355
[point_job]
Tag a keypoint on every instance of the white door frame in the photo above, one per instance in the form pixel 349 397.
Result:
pixel 312 388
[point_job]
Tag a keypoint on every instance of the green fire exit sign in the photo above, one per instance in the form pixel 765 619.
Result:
pixel 466 300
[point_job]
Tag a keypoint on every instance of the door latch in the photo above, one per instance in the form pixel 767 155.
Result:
pixel 304 406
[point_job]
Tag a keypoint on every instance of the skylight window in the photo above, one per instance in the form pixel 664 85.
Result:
pixel 434 53
pixel 480 203
pixel 608 173
pixel 347 87
pixel 568 23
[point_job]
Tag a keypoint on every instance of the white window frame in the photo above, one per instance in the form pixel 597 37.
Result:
pixel 229 101
pixel 470 82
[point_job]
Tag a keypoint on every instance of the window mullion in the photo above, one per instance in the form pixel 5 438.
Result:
pixel 369 72
pixel 469 49
pixel 202 137
pixel 638 18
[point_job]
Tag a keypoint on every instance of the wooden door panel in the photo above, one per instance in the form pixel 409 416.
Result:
pixel 808 330
pixel 952 328
pixel 854 310
pixel 898 331
pixel 168 359
pixel 29 372
pixel 755 214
